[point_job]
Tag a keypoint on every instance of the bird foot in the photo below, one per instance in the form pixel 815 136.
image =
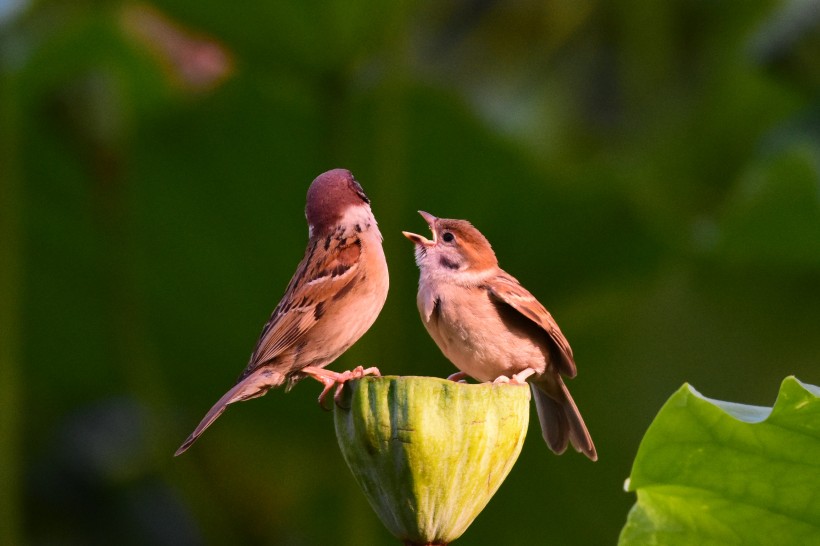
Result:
pixel 331 379
pixel 517 379
pixel 458 377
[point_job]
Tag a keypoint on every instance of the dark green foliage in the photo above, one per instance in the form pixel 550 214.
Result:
pixel 651 174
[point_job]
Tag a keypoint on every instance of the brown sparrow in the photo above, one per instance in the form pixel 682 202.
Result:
pixel 333 298
pixel 493 329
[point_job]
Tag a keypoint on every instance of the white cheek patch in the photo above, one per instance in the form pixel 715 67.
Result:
pixel 358 217
pixel 466 277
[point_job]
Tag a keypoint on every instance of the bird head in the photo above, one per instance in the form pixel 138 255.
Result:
pixel 456 246
pixel 330 197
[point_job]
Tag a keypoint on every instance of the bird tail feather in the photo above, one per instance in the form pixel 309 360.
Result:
pixel 256 384
pixel 561 422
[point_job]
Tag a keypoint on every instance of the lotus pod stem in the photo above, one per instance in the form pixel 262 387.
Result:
pixel 429 453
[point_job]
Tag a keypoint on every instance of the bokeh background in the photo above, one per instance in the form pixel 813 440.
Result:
pixel 650 170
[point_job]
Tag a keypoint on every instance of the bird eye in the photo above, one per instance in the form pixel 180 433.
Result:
pixel 448 237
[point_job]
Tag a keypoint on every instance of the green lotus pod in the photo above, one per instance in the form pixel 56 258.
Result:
pixel 430 453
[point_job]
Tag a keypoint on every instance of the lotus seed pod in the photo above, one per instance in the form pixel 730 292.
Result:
pixel 430 453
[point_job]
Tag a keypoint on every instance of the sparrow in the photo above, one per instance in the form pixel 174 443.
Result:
pixel 334 297
pixel 493 329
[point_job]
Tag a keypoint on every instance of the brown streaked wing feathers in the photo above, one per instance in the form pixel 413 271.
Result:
pixel 508 290
pixel 319 275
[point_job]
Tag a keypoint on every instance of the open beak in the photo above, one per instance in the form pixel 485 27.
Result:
pixel 418 239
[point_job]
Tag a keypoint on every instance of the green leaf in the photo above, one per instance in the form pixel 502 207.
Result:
pixel 712 472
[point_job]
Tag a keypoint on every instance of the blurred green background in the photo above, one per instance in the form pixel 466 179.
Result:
pixel 650 171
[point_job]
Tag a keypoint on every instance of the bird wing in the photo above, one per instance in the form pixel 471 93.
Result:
pixel 506 289
pixel 323 276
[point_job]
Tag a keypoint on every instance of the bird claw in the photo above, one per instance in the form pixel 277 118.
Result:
pixel 516 379
pixel 332 379
pixel 458 377
pixel 328 385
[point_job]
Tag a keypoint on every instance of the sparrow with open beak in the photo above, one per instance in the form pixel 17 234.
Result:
pixel 493 329
pixel 334 297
